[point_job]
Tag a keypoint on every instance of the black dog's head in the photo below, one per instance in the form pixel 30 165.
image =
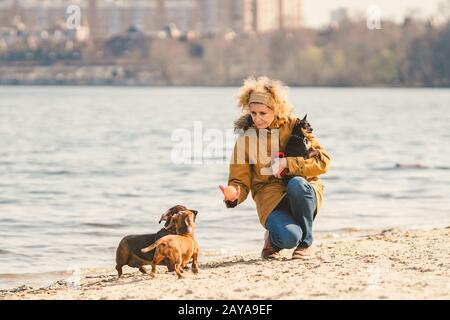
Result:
pixel 167 216
pixel 305 126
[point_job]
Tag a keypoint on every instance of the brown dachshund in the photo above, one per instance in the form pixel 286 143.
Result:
pixel 179 248
pixel 129 249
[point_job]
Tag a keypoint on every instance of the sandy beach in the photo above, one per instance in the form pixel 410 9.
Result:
pixel 389 264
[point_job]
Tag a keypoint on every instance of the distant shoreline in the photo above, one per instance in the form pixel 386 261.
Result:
pixel 203 86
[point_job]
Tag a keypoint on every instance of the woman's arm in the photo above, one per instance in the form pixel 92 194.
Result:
pixel 239 175
pixel 316 165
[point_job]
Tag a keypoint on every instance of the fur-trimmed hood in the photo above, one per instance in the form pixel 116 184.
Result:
pixel 243 122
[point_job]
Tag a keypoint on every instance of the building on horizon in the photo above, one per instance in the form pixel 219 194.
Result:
pixel 106 18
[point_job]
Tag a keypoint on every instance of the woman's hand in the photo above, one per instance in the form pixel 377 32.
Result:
pixel 278 165
pixel 227 196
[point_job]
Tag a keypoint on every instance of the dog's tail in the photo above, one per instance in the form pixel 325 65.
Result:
pixel 150 248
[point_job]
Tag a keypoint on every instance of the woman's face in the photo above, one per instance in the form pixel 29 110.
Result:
pixel 261 114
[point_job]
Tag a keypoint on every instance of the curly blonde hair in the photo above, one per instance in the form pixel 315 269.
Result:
pixel 277 89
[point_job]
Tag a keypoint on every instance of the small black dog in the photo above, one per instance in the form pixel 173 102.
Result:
pixel 298 145
pixel 129 250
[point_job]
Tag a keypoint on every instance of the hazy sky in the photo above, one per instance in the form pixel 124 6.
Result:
pixel 317 12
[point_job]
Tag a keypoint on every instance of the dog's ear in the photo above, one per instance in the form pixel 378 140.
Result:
pixel 194 212
pixel 165 216
pixel 189 223
pixel 304 118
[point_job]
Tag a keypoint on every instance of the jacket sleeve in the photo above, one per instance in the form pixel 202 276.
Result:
pixel 239 175
pixel 314 166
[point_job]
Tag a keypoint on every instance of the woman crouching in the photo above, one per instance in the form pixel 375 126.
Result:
pixel 286 211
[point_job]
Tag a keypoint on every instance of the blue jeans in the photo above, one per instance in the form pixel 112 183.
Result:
pixel 290 224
